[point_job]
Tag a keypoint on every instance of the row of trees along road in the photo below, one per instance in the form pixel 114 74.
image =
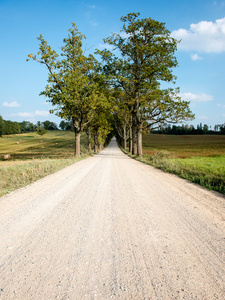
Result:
pixel 123 90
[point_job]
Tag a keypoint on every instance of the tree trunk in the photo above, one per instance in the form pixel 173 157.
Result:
pixel 89 147
pixel 89 138
pixel 77 142
pixel 124 138
pixel 124 144
pixel 134 137
pixel 130 140
pixel 77 132
pixel 96 143
pixel 139 142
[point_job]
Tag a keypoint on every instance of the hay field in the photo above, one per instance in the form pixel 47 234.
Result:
pixel 34 157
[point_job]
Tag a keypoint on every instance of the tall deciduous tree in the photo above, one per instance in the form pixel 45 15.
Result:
pixel 71 81
pixel 146 58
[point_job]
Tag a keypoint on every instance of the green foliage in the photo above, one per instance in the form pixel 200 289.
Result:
pixel 222 129
pixel 146 58
pixel 41 130
pixel 82 90
pixel 48 125
pixel 64 125
pixel 189 129
pixel 27 126
pixel 11 127
pixel 147 54
pixel 2 126
pixel 74 81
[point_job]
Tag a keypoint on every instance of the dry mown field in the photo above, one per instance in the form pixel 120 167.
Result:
pixel 34 157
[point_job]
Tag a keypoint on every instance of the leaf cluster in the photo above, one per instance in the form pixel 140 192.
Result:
pixel 146 58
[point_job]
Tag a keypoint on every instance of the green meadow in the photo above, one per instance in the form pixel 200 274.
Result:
pixel 34 157
pixel 198 158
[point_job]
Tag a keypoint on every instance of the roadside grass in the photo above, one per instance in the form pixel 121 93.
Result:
pixel 199 159
pixel 16 176
pixel 35 157
pixel 208 172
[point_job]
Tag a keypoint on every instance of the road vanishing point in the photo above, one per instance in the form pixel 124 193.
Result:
pixel 110 227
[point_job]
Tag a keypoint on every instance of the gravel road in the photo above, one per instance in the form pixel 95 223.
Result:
pixel 109 227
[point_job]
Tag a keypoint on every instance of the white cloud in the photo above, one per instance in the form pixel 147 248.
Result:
pixel 12 104
pixel 196 97
pixel 196 57
pixel 221 105
pixel 41 113
pixel 124 35
pixel 31 114
pixel 204 36
pixel 106 46
pixel 24 115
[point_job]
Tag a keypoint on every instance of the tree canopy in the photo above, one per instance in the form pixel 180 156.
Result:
pixel 146 58
pixel 73 81
pixel 122 91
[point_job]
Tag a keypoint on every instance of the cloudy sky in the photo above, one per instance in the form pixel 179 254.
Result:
pixel 200 25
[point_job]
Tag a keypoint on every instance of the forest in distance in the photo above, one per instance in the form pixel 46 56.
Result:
pixel 11 127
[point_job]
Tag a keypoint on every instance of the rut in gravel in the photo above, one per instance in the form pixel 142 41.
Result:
pixel 109 227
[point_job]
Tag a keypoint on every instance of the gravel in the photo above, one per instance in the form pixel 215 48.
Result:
pixel 110 227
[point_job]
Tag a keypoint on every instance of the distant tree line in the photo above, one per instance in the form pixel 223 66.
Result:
pixel 11 127
pixel 190 129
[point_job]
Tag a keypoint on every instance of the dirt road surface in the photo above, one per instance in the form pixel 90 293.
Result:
pixel 109 227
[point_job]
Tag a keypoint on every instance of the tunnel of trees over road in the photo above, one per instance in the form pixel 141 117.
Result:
pixel 121 91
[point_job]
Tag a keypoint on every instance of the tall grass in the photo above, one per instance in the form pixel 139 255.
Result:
pixel 16 176
pixel 35 157
pixel 209 173
pixel 199 159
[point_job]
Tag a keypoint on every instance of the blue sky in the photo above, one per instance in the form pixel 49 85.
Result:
pixel 201 53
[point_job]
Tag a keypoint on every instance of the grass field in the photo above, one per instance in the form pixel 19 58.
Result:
pixel 183 146
pixel 199 158
pixel 54 144
pixel 35 157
